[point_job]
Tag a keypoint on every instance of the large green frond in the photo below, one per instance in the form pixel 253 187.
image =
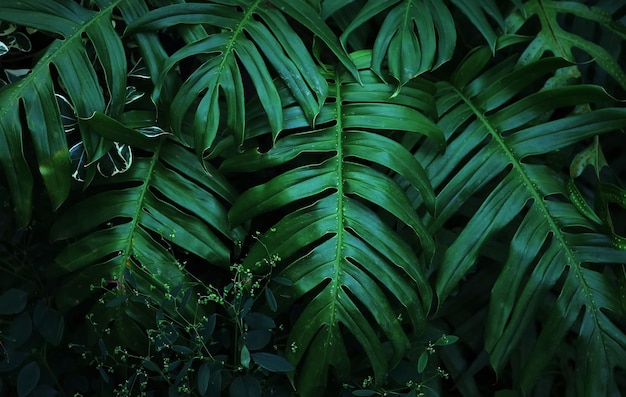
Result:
pixel 419 35
pixel 415 37
pixel 244 40
pixel 495 136
pixel 36 94
pixel 165 203
pixel 554 37
pixel 336 242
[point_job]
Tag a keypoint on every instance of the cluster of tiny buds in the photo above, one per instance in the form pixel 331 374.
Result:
pixel 441 372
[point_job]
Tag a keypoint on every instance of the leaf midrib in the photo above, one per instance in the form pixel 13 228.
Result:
pixel 340 204
pixel 549 23
pixel 538 199
pixel 128 249
pixel 230 46
pixel 44 63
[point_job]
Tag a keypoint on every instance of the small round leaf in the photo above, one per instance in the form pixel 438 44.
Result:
pixel 245 386
pixel 257 339
pixel 13 301
pixel 363 392
pixel 149 365
pixel 104 375
pixel 245 357
pixel 272 362
pixel 204 372
pixel 21 329
pixel 257 320
pixel 422 362
pixel 27 379
pixel 49 323
pixel 271 299
pixel 182 349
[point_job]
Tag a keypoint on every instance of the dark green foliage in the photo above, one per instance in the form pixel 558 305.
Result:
pixel 307 197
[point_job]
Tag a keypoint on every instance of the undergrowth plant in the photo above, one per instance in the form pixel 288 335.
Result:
pixel 312 197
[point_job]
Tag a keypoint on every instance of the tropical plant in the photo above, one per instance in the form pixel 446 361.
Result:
pixel 334 190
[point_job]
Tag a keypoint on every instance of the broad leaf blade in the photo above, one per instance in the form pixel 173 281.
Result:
pixel 345 260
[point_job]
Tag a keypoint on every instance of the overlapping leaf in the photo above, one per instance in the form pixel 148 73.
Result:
pixel 339 249
pixel 35 92
pixel 416 36
pixel 243 38
pixel 419 35
pixel 128 229
pixel 493 138
pixel 555 39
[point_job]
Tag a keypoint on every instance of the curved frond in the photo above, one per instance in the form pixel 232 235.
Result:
pixel 419 35
pixel 243 40
pixel 128 230
pixel 336 241
pixel 495 136
pixel 554 38
pixel 415 37
pixel 36 93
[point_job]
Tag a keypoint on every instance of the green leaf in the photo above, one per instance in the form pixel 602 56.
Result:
pixel 307 16
pixel 232 49
pixel 364 392
pixel 165 199
pixel 112 129
pixel 501 122
pixel 117 301
pixel 151 366
pixel 14 164
pixel 257 320
pixel 245 386
pixel 422 362
pixel 477 11
pixel 244 357
pixel 13 301
pixel 446 340
pixel 557 40
pixel 21 329
pixel 272 362
pixel 204 373
pixel 103 375
pixel 271 300
pixel 49 322
pixel 348 264
pixel 18 358
pixel 416 36
pixel 282 281
pixel 77 26
pixel 27 379
pixel 208 327
pixel 182 349
pixel 183 371
pixel 103 348
pixel 258 339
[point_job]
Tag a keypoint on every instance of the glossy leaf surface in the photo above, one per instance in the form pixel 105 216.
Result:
pixel 342 254
pixel 493 137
